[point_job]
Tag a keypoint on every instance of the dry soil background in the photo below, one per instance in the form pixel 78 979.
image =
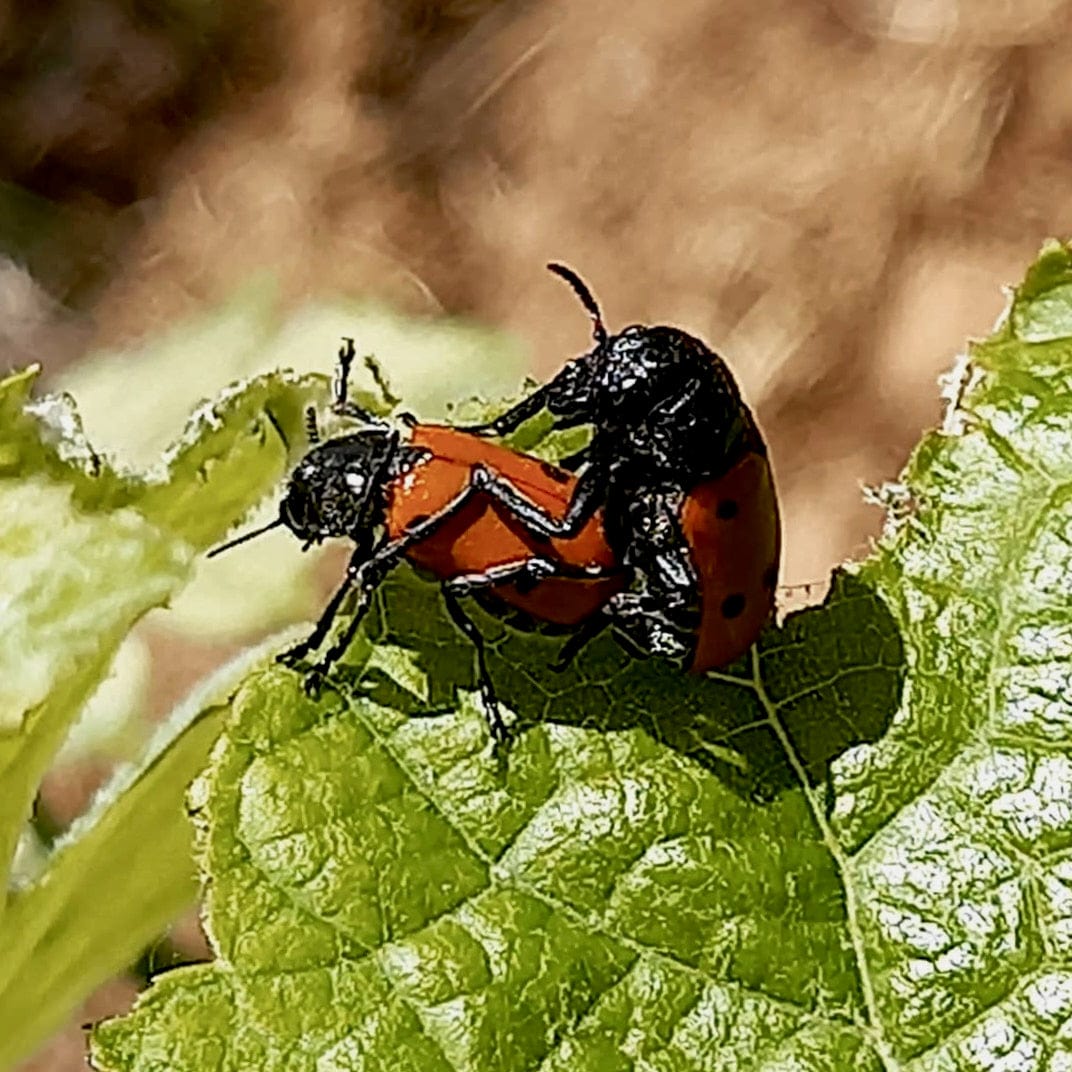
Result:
pixel 832 194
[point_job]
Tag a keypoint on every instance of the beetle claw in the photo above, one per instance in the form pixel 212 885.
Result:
pixel 290 658
pixel 313 683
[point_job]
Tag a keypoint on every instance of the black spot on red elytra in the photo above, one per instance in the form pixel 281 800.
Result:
pixel 726 509
pixel 770 577
pixel 733 605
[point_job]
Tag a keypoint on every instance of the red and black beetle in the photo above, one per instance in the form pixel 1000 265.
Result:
pixel 420 494
pixel 680 473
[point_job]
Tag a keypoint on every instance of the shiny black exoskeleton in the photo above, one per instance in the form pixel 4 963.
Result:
pixel 337 489
pixel 666 416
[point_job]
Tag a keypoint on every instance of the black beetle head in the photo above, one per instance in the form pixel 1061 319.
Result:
pixel 624 376
pixel 337 488
pixel 642 368
pixel 662 405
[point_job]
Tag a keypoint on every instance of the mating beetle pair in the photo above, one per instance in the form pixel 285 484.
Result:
pixel 664 528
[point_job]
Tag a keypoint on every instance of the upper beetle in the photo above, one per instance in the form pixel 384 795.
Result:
pixel 421 492
pixel 680 472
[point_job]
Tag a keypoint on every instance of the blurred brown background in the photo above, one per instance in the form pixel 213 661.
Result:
pixel 830 193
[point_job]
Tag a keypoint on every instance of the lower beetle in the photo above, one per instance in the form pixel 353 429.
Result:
pixel 425 493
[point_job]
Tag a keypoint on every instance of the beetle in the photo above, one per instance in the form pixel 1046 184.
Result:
pixel 680 472
pixel 420 493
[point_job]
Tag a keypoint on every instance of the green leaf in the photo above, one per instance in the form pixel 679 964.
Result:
pixel 115 880
pixel 794 864
pixel 382 896
pixel 69 599
pixel 87 549
pixel 834 672
pixel 109 724
pixel 959 822
pixel 116 883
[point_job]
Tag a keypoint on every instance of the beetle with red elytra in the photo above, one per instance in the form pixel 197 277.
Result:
pixel 669 534
pixel 415 492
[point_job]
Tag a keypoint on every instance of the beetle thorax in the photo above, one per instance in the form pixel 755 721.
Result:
pixel 667 406
pixel 642 368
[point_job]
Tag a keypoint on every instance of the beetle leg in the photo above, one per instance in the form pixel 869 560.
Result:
pixel 587 498
pixel 312 429
pixel 516 416
pixel 644 627
pixel 323 626
pixel 490 701
pixel 525 574
pixel 364 581
pixel 567 396
pixel 660 612
pixel 274 422
pixel 580 639
pixel 340 386
pixel 364 575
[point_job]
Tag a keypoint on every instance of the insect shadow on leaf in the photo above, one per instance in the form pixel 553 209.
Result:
pixel 830 674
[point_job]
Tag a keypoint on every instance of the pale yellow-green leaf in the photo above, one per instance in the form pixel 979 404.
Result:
pixel 108 724
pixel 86 549
pixel 119 876
pixel 72 584
pixel 133 402
pixel 68 579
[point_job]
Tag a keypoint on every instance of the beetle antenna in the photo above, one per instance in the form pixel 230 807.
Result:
pixel 312 431
pixel 278 428
pixel 245 536
pixel 577 284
